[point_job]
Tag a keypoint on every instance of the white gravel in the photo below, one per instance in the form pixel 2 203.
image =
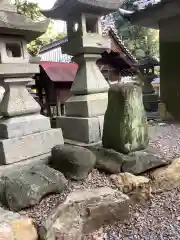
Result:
pixel 158 219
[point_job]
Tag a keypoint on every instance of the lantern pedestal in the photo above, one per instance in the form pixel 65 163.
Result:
pixel 86 107
pixel 24 133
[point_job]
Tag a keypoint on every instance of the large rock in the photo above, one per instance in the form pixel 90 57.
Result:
pixel 142 161
pixel 14 227
pixel 125 123
pixel 167 177
pixel 84 212
pixel 108 160
pixel 22 189
pixel 74 161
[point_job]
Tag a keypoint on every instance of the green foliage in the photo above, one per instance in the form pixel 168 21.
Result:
pixel 32 11
pixel 138 39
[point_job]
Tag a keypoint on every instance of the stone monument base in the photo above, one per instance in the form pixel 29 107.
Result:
pixel 26 137
pixel 84 130
pixel 21 148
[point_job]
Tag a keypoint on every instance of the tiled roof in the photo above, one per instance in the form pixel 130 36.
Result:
pixel 108 28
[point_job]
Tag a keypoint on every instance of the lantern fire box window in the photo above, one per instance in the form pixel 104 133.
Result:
pixel 91 24
pixel 14 49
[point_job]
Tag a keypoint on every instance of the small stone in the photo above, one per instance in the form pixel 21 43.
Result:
pixel 142 161
pixel 84 212
pixel 73 161
pixel 125 122
pixel 127 182
pixel 26 188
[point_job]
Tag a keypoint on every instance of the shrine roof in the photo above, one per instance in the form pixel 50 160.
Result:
pixel 152 15
pixel 59 71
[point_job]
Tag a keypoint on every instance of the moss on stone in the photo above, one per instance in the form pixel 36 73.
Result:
pixel 125 124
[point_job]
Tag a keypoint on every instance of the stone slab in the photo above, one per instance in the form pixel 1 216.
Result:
pixel 142 161
pixel 92 105
pixel 23 165
pixel 81 144
pixel 86 130
pixel 18 69
pixel 23 125
pixel 22 148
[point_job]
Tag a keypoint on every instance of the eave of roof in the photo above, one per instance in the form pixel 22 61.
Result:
pixel 114 34
pixel 53 44
pixel 152 15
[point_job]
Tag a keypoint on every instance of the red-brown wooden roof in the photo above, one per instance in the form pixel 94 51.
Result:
pixel 59 71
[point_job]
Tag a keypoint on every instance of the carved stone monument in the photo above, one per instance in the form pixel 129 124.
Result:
pixel 24 133
pixel 86 107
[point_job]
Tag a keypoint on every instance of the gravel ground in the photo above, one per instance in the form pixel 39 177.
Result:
pixel 156 219
pixel 165 138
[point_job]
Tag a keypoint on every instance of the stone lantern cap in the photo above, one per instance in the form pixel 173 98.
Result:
pixel 63 9
pixel 12 23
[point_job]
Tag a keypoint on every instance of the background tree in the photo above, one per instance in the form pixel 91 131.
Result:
pixel 138 39
pixel 32 11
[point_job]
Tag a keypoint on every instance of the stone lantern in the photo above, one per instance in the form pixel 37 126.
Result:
pixel 24 133
pixel 85 109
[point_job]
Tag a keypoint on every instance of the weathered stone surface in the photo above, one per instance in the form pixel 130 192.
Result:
pixel 138 188
pixel 29 146
pixel 73 161
pixel 8 216
pixel 14 227
pixel 83 212
pixel 26 188
pixel 127 182
pixel 17 101
pixel 89 129
pixel 167 177
pixel 125 123
pixel 92 105
pixel 108 160
pixel 18 230
pixel 142 161
pixel 24 125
